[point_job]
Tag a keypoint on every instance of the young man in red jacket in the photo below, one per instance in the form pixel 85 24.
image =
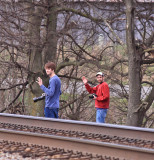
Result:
pixel 102 96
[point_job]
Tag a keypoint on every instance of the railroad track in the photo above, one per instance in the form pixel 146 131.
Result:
pixel 73 143
pixel 80 126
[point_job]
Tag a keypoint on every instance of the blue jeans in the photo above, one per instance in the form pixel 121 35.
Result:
pixel 100 115
pixel 51 112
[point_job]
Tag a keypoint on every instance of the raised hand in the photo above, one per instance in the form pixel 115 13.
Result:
pixel 39 81
pixel 84 80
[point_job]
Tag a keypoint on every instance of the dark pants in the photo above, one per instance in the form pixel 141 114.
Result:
pixel 51 112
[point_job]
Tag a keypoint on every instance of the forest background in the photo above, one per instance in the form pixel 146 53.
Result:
pixel 82 38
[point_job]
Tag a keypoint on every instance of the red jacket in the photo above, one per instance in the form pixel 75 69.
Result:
pixel 103 94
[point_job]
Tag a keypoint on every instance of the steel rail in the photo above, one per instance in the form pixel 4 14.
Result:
pixel 80 126
pixel 84 146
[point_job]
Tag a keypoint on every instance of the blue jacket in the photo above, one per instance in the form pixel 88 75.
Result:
pixel 53 92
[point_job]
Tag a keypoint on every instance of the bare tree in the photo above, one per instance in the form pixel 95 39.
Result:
pixel 82 38
pixel 136 108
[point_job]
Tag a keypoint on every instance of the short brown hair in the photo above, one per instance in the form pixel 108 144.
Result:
pixel 50 65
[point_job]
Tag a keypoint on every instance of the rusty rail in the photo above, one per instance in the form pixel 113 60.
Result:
pixel 81 126
pixel 85 146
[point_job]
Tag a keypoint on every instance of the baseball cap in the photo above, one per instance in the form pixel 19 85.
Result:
pixel 100 73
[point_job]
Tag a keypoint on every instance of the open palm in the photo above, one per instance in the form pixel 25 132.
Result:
pixel 84 80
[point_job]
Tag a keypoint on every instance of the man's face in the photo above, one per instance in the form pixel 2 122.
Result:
pixel 48 71
pixel 100 78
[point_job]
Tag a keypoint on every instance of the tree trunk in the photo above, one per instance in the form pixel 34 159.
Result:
pixel 50 48
pixel 134 68
pixel 2 100
pixel 39 56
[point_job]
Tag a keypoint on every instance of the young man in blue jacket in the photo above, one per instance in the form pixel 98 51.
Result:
pixel 52 93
